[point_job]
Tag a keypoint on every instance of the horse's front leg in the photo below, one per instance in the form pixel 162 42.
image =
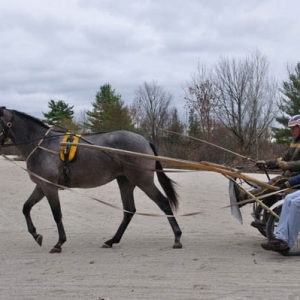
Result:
pixel 53 200
pixel 35 197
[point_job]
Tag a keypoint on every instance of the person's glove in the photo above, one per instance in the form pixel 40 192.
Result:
pixel 261 164
pixel 282 186
pixel 283 165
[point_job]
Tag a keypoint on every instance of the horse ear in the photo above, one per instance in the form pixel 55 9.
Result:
pixel 1 110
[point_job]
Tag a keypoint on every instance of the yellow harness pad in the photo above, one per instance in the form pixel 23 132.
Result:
pixel 72 151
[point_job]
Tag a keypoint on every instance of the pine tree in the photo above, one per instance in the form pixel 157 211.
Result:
pixel 175 126
pixel 290 105
pixel 193 126
pixel 109 112
pixel 60 113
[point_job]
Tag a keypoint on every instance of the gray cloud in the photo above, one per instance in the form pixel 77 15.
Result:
pixel 68 49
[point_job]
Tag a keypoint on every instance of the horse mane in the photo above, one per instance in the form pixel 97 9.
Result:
pixel 36 120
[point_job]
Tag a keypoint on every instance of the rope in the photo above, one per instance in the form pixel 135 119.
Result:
pixel 97 199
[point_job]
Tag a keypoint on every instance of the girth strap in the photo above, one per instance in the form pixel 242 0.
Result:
pixel 67 154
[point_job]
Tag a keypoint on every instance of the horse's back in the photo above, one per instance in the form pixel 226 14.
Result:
pixel 100 167
pixel 122 139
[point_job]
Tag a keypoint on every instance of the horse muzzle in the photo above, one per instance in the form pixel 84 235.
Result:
pixel 4 132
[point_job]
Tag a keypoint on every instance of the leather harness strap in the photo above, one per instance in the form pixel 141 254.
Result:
pixel 39 146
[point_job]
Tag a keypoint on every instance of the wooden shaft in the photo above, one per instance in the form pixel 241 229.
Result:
pixel 180 162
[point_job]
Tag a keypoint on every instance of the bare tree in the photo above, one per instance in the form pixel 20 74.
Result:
pixel 200 97
pixel 82 121
pixel 151 106
pixel 246 99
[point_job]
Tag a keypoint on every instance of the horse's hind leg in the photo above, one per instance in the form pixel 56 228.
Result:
pixel 163 203
pixel 36 196
pixel 126 189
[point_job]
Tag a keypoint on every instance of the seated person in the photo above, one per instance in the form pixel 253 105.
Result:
pixel 289 163
pixel 288 227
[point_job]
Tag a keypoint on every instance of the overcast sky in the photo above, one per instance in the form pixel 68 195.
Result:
pixel 66 49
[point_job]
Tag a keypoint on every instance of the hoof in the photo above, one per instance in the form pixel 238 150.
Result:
pixel 39 239
pixel 106 246
pixel 177 246
pixel 55 250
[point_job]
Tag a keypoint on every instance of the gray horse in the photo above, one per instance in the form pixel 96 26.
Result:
pixel 40 146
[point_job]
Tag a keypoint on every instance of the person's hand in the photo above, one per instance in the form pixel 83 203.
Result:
pixel 283 165
pixel 282 186
pixel 261 164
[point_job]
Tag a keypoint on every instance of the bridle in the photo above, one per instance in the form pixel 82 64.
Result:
pixel 6 127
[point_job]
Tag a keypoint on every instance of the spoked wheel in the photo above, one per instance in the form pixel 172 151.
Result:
pixel 272 224
pixel 271 231
pixel 260 216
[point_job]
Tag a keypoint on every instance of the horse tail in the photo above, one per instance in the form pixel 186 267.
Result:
pixel 167 184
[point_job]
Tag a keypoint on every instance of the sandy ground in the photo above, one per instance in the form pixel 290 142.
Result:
pixel 220 258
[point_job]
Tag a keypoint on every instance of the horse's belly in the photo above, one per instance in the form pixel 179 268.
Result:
pixel 89 177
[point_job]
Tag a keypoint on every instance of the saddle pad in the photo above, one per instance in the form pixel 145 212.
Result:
pixel 71 151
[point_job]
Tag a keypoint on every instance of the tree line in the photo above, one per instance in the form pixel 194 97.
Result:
pixel 235 105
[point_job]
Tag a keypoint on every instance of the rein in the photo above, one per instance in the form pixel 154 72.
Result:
pixel 219 147
pixel 38 146
pixel 210 144
pixel 203 166
pixel 31 140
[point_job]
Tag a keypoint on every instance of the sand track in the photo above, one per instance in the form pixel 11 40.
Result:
pixel 220 258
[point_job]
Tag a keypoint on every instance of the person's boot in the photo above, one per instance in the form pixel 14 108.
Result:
pixel 258 224
pixel 275 245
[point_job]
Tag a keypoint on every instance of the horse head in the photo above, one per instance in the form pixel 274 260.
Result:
pixel 4 125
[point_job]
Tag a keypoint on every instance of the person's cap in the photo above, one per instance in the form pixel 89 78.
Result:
pixel 294 121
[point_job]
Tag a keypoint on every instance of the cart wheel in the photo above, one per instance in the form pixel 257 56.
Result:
pixel 261 215
pixel 272 224
pixel 271 231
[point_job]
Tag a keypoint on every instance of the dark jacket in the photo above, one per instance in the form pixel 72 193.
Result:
pixel 295 180
pixel 292 156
